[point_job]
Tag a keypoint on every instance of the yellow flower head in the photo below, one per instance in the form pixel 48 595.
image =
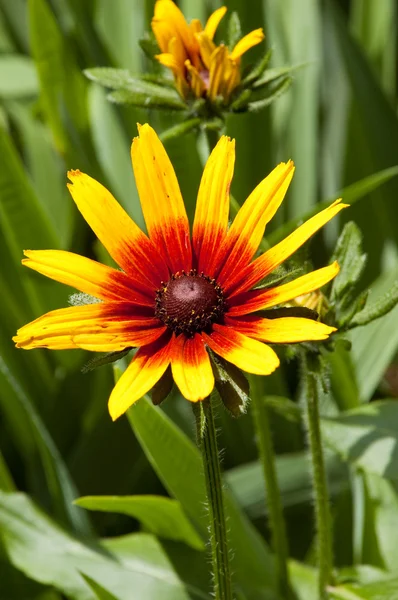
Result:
pixel 179 292
pixel 199 66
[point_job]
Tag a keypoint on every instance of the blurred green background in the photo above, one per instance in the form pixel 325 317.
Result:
pixel 338 122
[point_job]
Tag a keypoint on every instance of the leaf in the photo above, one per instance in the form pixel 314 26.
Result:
pixel 276 73
pixel 381 590
pixel 49 555
pixel 17 76
pixel 350 195
pixel 367 437
pixel 374 345
pixel 98 590
pixel 232 386
pixel 377 309
pixel 285 407
pixel 278 90
pixel 161 516
pixel 180 129
pixel 178 465
pixel 348 254
pixel 155 99
pixel 234 30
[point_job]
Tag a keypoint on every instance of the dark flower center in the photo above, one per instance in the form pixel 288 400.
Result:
pixel 189 302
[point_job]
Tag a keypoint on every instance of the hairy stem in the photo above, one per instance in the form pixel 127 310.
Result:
pixel 207 442
pixel 321 498
pixel 275 510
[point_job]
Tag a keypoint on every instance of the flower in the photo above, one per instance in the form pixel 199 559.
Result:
pixel 176 297
pixel 199 66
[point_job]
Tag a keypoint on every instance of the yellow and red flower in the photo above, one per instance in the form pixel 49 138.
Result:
pixel 199 66
pixel 176 295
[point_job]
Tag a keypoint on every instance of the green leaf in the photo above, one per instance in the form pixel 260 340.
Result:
pixel 114 78
pixel 374 345
pixel 304 579
pixel 234 30
pixel 348 253
pixel 350 195
pixel 381 590
pixel 157 98
pixel 6 482
pixel 377 309
pixel 179 466
pixel 271 75
pixel 285 407
pixel 367 437
pixel 278 91
pixel 49 555
pixel 161 516
pixel 180 129
pixel 258 69
pixel 17 76
pixel 100 592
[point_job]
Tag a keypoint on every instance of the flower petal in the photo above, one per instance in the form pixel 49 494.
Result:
pixel 212 207
pixel 248 302
pixel 168 22
pixel 123 239
pixel 146 368
pixel 273 257
pixel 191 368
pixel 161 200
pixel 284 330
pixel 248 41
pixel 102 327
pixel 85 275
pixel 218 65
pixel 244 352
pixel 249 224
pixel 213 21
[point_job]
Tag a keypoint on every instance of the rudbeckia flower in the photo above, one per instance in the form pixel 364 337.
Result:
pixel 199 66
pixel 178 296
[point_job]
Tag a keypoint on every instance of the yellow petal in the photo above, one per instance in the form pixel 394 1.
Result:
pixel 212 207
pixel 251 39
pixel 191 368
pixel 169 22
pixel 161 200
pixel 85 275
pixel 218 63
pixel 275 256
pixel 146 368
pixel 125 242
pixel 255 300
pixel 213 21
pixel 102 327
pixel 244 352
pixel 207 48
pixel 249 224
pixel 284 330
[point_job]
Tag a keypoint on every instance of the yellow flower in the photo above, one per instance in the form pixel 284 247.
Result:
pixel 199 66
pixel 178 294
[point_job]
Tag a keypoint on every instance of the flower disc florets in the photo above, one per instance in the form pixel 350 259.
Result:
pixel 190 302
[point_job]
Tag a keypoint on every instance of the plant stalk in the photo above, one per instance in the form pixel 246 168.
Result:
pixel 207 442
pixel 276 519
pixel 321 497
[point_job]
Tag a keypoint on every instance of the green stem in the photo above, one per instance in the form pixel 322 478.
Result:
pixel 275 510
pixel 322 508
pixel 207 442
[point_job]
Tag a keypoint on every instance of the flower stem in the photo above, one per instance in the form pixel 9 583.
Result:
pixel 275 510
pixel 321 498
pixel 207 442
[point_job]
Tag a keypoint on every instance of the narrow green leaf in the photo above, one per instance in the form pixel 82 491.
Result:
pixel 271 75
pixel 6 482
pixel 377 309
pixel 161 516
pixel 348 253
pixel 180 129
pixel 278 91
pixel 375 344
pixel 157 99
pixel 234 30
